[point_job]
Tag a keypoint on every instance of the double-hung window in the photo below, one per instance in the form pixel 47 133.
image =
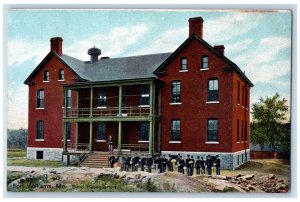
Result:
pixel 213 90
pixel 212 130
pixel 183 64
pixel 61 75
pixel 40 130
pixel 100 131
pixel 46 75
pixel 40 98
pixel 145 95
pixel 204 62
pixel 102 98
pixel 175 92
pixel 175 130
pixel 144 131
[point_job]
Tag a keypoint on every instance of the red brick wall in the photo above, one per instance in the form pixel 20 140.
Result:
pixel 53 102
pixel 194 111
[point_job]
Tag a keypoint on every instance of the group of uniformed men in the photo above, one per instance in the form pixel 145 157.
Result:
pixel 161 163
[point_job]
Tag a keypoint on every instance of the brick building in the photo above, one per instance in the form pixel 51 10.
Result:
pixel 191 101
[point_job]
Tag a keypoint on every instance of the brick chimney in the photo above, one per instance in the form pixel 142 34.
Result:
pixel 56 45
pixel 196 26
pixel 220 48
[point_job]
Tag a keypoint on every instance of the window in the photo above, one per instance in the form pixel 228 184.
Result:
pixel 246 97
pixel 238 160
pixel 145 95
pixel 69 98
pixel 144 131
pixel 238 130
pixel 39 130
pixel 243 96
pixel 61 75
pixel 246 138
pixel 40 99
pixel 102 98
pixel 242 130
pixel 204 62
pixel 213 90
pixel 175 130
pixel 183 64
pixel 175 89
pixel 100 131
pixel 68 130
pixel 46 75
pixel 39 154
pixel 238 96
pixel 212 130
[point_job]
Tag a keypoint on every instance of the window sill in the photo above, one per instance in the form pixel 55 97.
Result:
pixel 211 142
pixel 212 102
pixel 67 140
pixel 204 69
pixel 183 70
pixel 243 106
pixel 175 103
pixel 100 140
pixel 46 81
pixel 103 107
pixel 40 108
pixel 238 104
pixel 237 142
pixel 39 140
pixel 175 142
pixel 144 106
pixel 60 80
pixel 143 141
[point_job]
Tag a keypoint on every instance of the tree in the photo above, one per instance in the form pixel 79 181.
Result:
pixel 258 136
pixel 268 116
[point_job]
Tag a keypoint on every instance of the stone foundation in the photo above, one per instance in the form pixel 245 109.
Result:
pixel 50 154
pixel 229 161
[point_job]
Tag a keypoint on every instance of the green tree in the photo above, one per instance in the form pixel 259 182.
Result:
pixel 268 116
pixel 258 136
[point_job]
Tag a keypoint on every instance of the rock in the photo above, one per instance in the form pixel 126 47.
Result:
pixel 280 186
pixel 22 179
pixel 32 171
pixel 247 177
pixel 271 176
pixel 53 171
pixel 238 176
pixel 219 177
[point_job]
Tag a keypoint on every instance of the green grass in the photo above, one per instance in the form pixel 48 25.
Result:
pixel 13 154
pixel 33 163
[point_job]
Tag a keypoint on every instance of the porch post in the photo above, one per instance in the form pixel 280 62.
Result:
pixel 120 137
pixel 91 135
pixel 65 138
pixel 159 136
pixel 150 138
pixel 159 122
pixel 91 102
pixel 120 101
pixel 65 108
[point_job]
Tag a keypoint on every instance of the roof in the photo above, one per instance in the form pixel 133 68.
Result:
pixel 123 68
pixel 232 67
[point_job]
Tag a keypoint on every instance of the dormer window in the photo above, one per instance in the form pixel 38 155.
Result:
pixel 61 75
pixel 183 64
pixel 46 75
pixel 204 62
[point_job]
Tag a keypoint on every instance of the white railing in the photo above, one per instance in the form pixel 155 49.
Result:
pixel 107 112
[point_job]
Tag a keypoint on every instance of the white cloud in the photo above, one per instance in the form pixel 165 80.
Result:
pixel 21 51
pixel 167 41
pixel 238 46
pixel 229 26
pixel 111 44
pixel 18 107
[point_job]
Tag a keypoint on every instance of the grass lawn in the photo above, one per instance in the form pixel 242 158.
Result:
pixel 13 154
pixel 33 163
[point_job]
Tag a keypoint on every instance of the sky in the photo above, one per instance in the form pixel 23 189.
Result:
pixel 258 42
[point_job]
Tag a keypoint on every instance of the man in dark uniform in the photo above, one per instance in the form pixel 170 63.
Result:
pixel 110 145
pixel 181 165
pixel 149 162
pixel 192 165
pixel 127 162
pixel 164 161
pixel 158 163
pixel 217 165
pixel 170 164
pixel 202 164
pixel 136 161
pixel 188 164
pixel 111 161
pixel 209 164
pixel 142 162
pixel 198 166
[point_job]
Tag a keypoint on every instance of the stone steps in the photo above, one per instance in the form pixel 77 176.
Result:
pixel 96 160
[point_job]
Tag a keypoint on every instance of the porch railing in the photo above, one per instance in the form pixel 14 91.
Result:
pixel 77 147
pixel 107 112
pixel 84 154
pixel 134 147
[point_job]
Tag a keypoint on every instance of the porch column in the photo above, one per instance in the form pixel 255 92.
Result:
pixel 151 101
pixel 150 138
pixel 91 135
pixel 120 137
pixel 65 138
pixel 65 108
pixel 159 136
pixel 120 101
pixel 91 103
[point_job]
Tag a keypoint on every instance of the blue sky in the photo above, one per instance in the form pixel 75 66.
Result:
pixel 258 42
